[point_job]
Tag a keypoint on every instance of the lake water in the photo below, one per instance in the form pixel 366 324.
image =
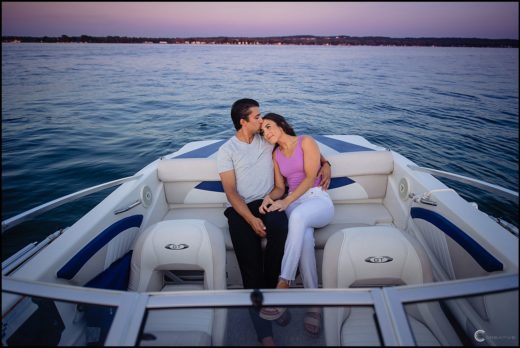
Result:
pixel 78 115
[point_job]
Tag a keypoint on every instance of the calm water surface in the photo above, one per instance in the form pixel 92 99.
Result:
pixel 77 115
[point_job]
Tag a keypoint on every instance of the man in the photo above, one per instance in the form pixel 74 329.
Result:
pixel 246 170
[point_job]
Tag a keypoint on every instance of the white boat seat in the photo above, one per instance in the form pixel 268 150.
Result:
pixel 172 245
pixel 352 215
pixel 212 214
pixel 360 329
pixel 345 215
pixel 192 189
pixel 191 181
pixel 345 265
pixel 356 175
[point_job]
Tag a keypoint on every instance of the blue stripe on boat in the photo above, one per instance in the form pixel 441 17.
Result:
pixel 339 145
pixel 340 181
pixel 74 265
pixel 215 186
pixel 484 258
pixel 115 277
pixel 203 152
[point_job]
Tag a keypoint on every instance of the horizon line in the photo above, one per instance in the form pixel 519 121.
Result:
pixel 260 37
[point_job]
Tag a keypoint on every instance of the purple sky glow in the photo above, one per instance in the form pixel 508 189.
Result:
pixel 489 20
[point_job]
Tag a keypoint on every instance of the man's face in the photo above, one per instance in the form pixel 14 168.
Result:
pixel 255 120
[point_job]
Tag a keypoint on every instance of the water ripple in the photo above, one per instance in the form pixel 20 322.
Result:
pixel 79 115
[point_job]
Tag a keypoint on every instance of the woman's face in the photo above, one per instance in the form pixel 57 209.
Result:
pixel 271 131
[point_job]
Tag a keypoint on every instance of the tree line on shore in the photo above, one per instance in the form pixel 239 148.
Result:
pixel 341 40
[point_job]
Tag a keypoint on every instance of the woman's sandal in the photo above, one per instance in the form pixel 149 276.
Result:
pixel 275 313
pixel 312 322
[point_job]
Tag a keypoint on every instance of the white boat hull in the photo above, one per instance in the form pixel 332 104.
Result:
pixel 372 188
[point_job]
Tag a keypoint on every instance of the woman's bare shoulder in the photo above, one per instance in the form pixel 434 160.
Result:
pixel 309 145
pixel 308 140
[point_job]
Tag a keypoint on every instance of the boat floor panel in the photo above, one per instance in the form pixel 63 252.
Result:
pixel 291 335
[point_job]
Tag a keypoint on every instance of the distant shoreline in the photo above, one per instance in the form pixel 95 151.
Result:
pixel 308 40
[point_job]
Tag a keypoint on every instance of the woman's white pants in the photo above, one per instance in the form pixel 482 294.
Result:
pixel 312 210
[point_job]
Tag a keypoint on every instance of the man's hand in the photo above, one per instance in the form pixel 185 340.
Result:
pixel 325 173
pixel 265 204
pixel 258 226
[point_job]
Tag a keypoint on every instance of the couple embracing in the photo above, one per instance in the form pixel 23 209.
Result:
pixel 255 165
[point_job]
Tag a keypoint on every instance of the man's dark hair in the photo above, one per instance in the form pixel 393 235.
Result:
pixel 240 110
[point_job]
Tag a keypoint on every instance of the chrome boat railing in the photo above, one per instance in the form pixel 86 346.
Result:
pixel 467 180
pixel 476 183
pixel 27 215
pixel 32 248
pixel 388 302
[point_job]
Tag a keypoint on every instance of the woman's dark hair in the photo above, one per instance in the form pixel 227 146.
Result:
pixel 280 122
pixel 240 110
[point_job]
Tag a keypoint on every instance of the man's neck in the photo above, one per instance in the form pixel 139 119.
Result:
pixel 244 136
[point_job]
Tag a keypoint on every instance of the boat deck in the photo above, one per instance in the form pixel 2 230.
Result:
pixel 407 249
pixel 291 335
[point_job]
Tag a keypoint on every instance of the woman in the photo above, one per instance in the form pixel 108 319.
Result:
pixel 297 161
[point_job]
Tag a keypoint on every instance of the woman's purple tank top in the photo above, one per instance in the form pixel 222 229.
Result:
pixel 292 167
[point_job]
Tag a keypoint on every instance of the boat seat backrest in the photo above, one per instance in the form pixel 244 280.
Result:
pixel 191 181
pixel 102 259
pixel 356 175
pixel 378 256
pixel 360 174
pixel 189 244
pixel 396 261
pixel 174 245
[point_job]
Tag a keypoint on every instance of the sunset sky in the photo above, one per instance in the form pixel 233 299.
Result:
pixel 491 20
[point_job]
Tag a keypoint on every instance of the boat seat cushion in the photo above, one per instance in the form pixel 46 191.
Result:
pixel 345 215
pixel 347 252
pixel 212 214
pixel 360 175
pixel 355 175
pixel 359 329
pixel 191 181
pixel 102 253
pixel 115 277
pixel 192 326
pixel 359 163
pixel 187 169
pixel 376 256
pixel 187 244
pixel 178 245
pixel 352 215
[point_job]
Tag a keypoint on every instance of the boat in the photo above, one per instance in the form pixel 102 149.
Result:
pixel 405 261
